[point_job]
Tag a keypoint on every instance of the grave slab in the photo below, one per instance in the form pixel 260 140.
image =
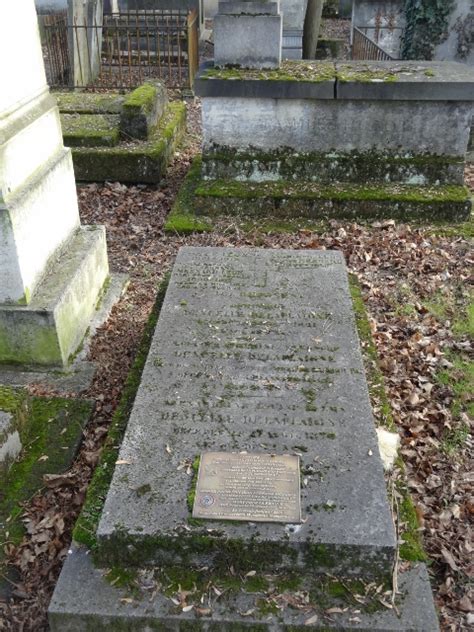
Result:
pixel 256 351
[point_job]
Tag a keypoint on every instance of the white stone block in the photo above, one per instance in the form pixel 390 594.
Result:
pixel 21 60
pixel 34 224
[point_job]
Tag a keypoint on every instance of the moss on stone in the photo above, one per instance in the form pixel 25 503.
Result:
pixel 366 74
pixel 50 433
pixel 343 201
pixel 371 167
pixel 42 348
pixel 340 191
pixel 90 130
pixel 142 99
pixel 89 102
pixel 411 548
pixel 288 71
pixel 86 525
pixel 144 161
pixel 181 219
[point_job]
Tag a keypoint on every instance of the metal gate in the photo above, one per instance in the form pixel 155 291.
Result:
pixel 124 50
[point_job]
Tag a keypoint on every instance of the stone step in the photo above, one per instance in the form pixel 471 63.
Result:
pixel 342 200
pixel 90 130
pixel 74 102
pixel 256 351
pixel 375 169
pixel 87 599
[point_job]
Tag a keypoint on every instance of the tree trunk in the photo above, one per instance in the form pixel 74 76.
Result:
pixel 312 24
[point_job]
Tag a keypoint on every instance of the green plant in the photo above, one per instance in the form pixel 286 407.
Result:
pixel 426 26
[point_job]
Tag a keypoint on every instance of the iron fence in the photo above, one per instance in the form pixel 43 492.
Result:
pixel 124 50
pixel 55 48
pixel 365 48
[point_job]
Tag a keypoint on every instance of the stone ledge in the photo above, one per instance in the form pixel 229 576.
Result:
pixel 50 329
pixel 84 600
pixel 405 81
pixel 395 81
pixel 273 84
pixel 342 201
pixel 370 167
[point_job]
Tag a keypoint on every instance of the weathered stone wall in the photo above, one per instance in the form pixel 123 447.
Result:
pixel 461 25
pixel 387 19
pixel 305 125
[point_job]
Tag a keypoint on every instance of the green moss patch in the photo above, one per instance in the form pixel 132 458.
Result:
pixel 140 100
pixel 50 432
pixel 181 219
pixel 90 130
pixel 86 525
pixel 288 71
pixel 343 201
pixel 144 161
pixel 342 191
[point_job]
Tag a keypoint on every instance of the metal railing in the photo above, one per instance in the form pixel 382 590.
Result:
pixel 363 47
pixel 123 51
pixel 55 48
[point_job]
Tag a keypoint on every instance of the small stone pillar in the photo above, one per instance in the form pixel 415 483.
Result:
pixel 248 34
pixel 52 270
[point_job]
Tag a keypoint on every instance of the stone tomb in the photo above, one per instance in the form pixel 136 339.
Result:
pixel 350 139
pixel 255 352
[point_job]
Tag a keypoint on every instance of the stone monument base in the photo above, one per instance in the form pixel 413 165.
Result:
pixel 49 330
pixel 336 139
pixel 85 600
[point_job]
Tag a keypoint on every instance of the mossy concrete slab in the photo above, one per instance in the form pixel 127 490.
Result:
pixel 254 350
pixel 140 161
pixel 342 200
pixel 89 102
pixel 50 329
pixel 90 130
pixel 85 600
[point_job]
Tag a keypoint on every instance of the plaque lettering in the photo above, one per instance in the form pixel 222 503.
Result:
pixel 249 487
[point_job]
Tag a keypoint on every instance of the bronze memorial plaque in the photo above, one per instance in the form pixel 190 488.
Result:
pixel 251 487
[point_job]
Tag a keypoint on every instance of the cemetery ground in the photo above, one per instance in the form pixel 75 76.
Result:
pixel 415 311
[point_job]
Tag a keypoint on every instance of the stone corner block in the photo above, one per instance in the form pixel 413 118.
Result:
pixel 50 329
pixel 142 110
pixel 248 41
